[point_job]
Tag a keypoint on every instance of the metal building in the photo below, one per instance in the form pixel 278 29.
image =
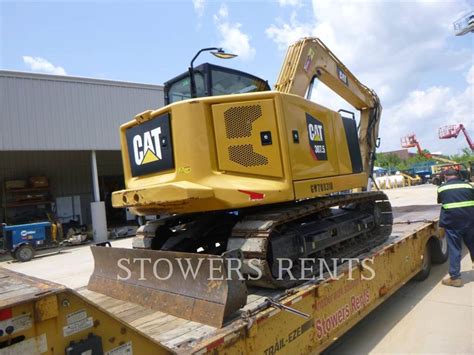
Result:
pixel 58 127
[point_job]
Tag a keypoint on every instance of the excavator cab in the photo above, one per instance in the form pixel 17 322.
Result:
pixel 212 80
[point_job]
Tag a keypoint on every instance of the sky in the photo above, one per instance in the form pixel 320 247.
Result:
pixel 405 50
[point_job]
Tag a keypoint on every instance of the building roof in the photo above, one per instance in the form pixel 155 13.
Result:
pixel 76 79
pixel 53 112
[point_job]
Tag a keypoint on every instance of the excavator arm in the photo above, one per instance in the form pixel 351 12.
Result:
pixel 308 59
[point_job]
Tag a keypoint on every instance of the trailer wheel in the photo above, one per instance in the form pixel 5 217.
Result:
pixel 439 250
pixel 426 266
pixel 24 253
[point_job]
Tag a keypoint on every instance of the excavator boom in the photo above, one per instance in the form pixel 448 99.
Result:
pixel 309 59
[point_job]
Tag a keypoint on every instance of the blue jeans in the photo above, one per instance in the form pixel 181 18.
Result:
pixel 455 238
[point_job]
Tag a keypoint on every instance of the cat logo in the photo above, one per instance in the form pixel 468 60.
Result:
pixel 149 146
pixel 317 141
pixel 342 76
pixel 147 149
pixel 315 132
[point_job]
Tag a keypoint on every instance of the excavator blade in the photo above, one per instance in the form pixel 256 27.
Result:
pixel 208 293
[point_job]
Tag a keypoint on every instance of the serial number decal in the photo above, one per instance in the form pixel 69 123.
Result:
pixel 328 186
pixel 124 349
pixel 292 336
pixel 76 316
pixel 78 326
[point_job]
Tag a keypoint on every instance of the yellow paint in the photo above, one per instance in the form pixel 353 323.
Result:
pixel 49 318
pixel 281 171
pixel 149 157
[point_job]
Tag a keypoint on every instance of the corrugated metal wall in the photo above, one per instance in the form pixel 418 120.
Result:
pixel 47 112
pixel 69 172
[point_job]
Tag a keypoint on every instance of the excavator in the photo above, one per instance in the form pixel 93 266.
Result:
pixel 247 182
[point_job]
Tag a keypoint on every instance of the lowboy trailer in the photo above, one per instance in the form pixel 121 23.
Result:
pixel 37 316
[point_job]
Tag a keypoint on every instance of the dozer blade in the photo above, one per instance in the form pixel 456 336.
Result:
pixel 158 280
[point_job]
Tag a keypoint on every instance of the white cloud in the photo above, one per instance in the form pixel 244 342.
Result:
pixel 287 33
pixel 233 39
pixel 39 64
pixel 403 50
pixel 470 76
pixel 289 2
pixel 199 7
pixel 423 111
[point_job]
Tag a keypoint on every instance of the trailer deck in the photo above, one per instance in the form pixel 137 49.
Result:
pixel 333 306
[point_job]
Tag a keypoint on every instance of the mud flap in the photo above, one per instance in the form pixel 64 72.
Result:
pixel 158 280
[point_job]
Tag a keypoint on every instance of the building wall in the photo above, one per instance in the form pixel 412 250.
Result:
pixel 50 124
pixel 403 154
pixel 69 172
pixel 49 112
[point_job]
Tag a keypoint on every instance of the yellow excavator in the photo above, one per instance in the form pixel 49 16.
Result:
pixel 243 178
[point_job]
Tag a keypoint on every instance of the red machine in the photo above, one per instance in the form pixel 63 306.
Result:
pixel 452 131
pixel 410 141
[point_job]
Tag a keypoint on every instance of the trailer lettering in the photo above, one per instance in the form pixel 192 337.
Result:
pixel 360 301
pixel 279 344
pixel 325 325
pixel 292 336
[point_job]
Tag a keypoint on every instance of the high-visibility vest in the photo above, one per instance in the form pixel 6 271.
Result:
pixel 457 199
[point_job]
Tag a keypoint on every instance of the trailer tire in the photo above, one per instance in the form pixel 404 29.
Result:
pixel 426 266
pixel 439 250
pixel 24 253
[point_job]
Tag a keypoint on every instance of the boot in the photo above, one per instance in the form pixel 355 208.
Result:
pixel 450 282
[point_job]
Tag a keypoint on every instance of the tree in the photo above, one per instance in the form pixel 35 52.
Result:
pixel 465 157
pixel 388 161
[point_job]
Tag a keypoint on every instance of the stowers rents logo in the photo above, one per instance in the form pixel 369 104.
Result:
pixel 316 137
pixel 146 148
pixel 149 146
pixel 329 323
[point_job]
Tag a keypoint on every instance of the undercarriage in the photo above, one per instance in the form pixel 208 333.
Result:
pixel 277 246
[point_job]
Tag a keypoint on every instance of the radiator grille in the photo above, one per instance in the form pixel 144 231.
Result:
pixel 244 155
pixel 238 120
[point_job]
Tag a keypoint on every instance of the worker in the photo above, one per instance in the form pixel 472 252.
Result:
pixel 457 218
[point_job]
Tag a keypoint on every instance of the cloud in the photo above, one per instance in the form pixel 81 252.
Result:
pixel 289 2
pixel 233 39
pixel 423 111
pixel 405 51
pixel 39 64
pixel 285 34
pixel 199 7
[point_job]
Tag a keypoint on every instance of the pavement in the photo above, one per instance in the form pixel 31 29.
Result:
pixel 422 317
